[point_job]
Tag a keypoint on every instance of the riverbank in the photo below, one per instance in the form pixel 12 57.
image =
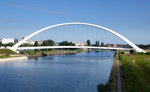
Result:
pixel 136 71
pixel 52 54
pixel 8 55
pixel 111 85
pixel 32 54
pixel 14 58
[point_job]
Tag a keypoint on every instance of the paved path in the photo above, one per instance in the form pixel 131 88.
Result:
pixel 118 83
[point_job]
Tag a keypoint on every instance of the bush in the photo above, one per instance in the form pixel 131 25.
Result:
pixel 122 52
pixel 7 55
pixel 101 88
pixel 148 53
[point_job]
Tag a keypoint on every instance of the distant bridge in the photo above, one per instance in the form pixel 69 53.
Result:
pixel 16 46
pixel 72 47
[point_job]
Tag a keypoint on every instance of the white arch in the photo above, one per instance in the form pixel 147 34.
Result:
pixel 78 23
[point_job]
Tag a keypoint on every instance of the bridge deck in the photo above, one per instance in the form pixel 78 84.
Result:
pixel 82 47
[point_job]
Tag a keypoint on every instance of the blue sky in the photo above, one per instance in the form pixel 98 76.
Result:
pixel 131 18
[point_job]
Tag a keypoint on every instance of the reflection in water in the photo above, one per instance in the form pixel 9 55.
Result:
pixel 47 58
pixel 68 73
pixel 36 59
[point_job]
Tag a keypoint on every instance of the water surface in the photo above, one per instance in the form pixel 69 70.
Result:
pixel 80 72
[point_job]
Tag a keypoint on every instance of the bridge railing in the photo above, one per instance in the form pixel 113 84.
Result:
pixel 76 47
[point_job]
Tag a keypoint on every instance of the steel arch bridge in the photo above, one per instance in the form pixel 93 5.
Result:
pixel 16 46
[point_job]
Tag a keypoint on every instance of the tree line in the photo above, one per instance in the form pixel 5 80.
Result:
pixel 97 43
pixel 51 43
pixel 66 43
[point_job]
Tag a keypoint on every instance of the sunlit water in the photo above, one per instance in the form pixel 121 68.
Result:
pixel 80 72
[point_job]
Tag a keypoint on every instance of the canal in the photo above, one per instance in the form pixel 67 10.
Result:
pixel 80 72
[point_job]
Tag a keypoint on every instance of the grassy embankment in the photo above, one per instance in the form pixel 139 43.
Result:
pixel 6 53
pixel 50 52
pixel 136 72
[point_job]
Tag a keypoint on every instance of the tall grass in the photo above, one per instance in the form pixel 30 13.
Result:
pixel 136 72
pixel 7 51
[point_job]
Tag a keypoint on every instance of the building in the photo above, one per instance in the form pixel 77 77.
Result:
pixel 80 43
pixel 8 40
pixel 31 42
pixel 117 45
pixel 40 42
pixel 111 45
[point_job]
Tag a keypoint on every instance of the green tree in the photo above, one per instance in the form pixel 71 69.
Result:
pixel 36 43
pixel 10 44
pixel 144 46
pixel 26 45
pixel 1 44
pixel 66 43
pixel 48 43
pixel 97 43
pixel 88 43
pixel 102 44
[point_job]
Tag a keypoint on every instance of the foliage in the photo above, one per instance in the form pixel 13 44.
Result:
pixel 66 43
pixel 7 55
pixel 36 43
pixel 144 46
pixel 88 43
pixel 48 43
pixel 148 53
pixel 10 44
pixel 96 43
pixel 47 52
pixel 26 45
pixel 101 88
pixel 1 44
pixel 102 44
pixel 136 71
